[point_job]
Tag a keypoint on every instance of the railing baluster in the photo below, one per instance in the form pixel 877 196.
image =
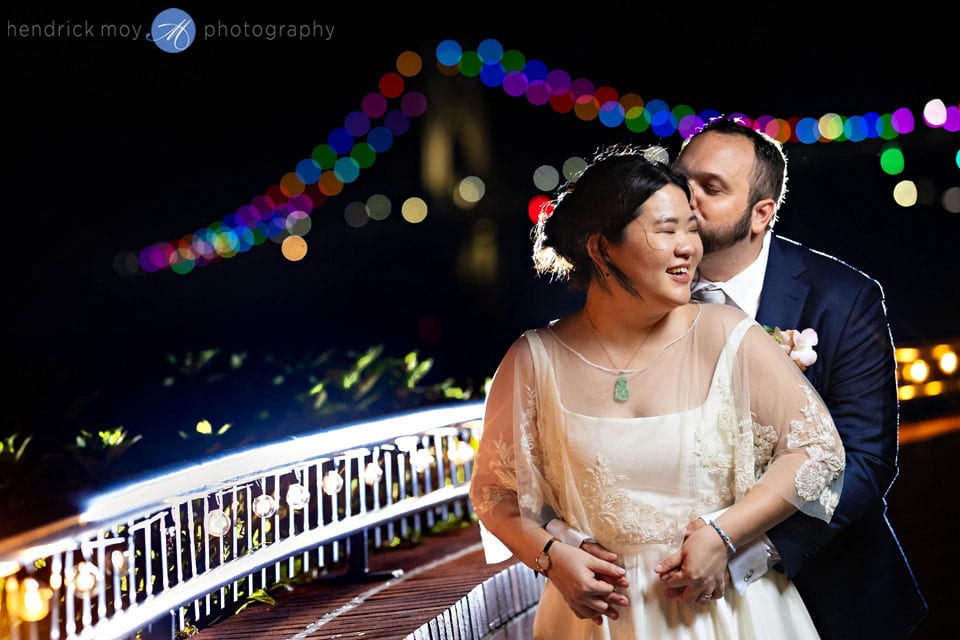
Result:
pixel 221 540
pixel 116 571
pixel 192 546
pixel 402 490
pixel 56 580
pixel 384 492
pixel 101 585
pixel 147 560
pixel 176 519
pixel 69 609
pixel 428 476
pixel 160 526
pixel 440 460
pixel 248 542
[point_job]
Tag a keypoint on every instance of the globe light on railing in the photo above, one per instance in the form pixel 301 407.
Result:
pixel 372 473
pixel 12 589
pixel 265 505
pixel 217 523
pixel 422 460
pixel 56 581
pixel 33 601
pixel 118 560
pixel 85 577
pixel 298 496
pixel 332 483
pixel 407 444
pixel 461 453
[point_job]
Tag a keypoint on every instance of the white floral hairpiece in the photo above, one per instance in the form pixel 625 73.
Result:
pixel 652 153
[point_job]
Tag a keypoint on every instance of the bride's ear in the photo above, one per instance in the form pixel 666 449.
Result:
pixel 596 252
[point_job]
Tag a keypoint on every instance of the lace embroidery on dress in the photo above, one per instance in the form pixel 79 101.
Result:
pixel 814 434
pixel 528 440
pixel 715 450
pixel 531 448
pixel 503 467
pixel 764 441
pixel 618 519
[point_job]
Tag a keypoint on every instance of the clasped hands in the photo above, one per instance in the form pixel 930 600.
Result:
pixel 587 578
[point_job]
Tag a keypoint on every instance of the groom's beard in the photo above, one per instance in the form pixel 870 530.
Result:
pixel 718 239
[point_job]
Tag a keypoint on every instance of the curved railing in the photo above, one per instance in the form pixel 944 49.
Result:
pixel 176 550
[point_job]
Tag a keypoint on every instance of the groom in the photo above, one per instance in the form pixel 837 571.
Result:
pixel 852 573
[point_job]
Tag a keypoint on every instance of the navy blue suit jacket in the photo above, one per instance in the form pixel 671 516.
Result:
pixel 852 573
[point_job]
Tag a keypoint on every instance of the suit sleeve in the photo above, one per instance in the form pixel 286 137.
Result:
pixel 858 384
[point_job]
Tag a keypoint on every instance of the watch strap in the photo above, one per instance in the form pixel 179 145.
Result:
pixel 545 552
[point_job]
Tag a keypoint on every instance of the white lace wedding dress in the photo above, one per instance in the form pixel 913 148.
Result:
pixel 696 434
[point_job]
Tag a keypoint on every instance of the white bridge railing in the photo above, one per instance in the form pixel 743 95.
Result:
pixel 164 555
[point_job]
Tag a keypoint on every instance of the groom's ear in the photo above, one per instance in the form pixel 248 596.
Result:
pixel 762 215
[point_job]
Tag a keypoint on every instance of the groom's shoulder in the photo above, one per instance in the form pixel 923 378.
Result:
pixel 820 263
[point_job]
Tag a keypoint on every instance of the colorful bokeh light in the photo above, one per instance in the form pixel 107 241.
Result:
pixel 284 209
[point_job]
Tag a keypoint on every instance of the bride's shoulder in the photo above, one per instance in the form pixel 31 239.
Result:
pixel 720 320
pixel 722 311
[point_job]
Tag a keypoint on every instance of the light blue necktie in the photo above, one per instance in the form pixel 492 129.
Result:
pixel 710 294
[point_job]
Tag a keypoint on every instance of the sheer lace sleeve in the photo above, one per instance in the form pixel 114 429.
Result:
pixel 507 484
pixel 797 451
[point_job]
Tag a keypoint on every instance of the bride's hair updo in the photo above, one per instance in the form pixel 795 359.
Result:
pixel 604 198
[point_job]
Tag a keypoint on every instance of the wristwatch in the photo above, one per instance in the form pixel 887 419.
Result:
pixel 542 562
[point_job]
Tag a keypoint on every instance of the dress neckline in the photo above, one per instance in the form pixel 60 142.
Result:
pixel 626 372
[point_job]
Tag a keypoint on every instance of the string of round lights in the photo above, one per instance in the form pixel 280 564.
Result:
pixel 282 213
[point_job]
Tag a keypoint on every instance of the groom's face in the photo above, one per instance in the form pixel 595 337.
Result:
pixel 718 167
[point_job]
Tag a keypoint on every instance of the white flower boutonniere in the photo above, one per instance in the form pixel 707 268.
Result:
pixel 797 344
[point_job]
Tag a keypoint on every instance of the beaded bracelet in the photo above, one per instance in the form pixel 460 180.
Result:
pixel 726 538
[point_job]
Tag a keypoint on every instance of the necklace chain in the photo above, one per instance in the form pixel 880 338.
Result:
pixel 621 390
pixel 596 334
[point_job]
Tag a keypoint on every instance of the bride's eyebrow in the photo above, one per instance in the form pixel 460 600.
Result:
pixel 666 220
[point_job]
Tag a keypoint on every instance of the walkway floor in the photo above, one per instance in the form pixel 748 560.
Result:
pixel 443 570
pixel 436 575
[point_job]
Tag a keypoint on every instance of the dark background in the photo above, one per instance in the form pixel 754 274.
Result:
pixel 113 145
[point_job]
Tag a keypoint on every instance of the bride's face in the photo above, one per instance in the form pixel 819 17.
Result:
pixel 661 248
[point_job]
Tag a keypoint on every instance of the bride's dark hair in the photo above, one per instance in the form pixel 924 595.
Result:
pixel 604 198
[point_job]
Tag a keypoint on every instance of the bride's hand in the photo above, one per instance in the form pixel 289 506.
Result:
pixel 697 573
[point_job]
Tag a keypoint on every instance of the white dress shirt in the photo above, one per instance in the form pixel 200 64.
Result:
pixel 743 289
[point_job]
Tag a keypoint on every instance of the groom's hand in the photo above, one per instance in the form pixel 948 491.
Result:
pixel 599 551
pixel 587 578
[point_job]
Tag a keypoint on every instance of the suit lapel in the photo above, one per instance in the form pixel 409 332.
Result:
pixel 783 293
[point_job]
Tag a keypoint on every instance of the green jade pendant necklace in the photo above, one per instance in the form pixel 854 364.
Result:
pixel 621 392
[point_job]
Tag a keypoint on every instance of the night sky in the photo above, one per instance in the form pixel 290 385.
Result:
pixel 114 145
